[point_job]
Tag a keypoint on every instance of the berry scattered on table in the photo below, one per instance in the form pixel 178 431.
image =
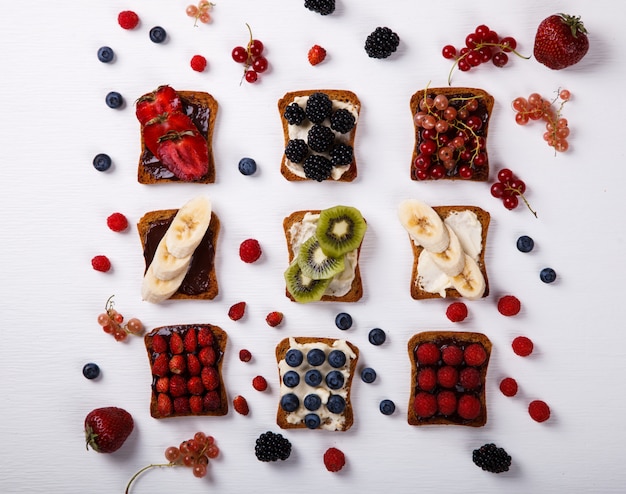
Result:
pixel 240 404
pixel 508 386
pixel 117 222
pixel 274 318
pixel 91 370
pixel 107 428
pixel 271 446
pixel 539 410
pixel 200 12
pixel 522 346
pixel 509 305
pixel 247 166
pixel 377 336
pixel 252 57
pixel 560 41
pixel 157 34
pixel 343 321
pixel 525 243
pixel 101 263
pixel 334 459
pixel 245 355
pixel 368 375
pixel 547 275
pixel 114 100
pixel 102 162
pixel 106 54
pixel 259 383
pixel 111 322
pixel 237 311
pixel 322 7
pixel 198 63
pixel 456 311
pixel 316 55
pixel 128 19
pixel 491 458
pixel 381 43
pixel 509 188
pixel 250 250
pixel 387 407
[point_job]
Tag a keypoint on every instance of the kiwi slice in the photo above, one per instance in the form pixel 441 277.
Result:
pixel 340 229
pixel 315 264
pixel 302 288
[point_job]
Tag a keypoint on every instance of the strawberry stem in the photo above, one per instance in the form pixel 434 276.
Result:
pixel 148 467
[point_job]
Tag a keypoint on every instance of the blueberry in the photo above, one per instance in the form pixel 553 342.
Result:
pixel 547 275
pixel 377 336
pixel 114 99
pixel 294 357
pixel 313 378
pixel 157 34
pixel 105 54
pixel 289 402
pixel 312 420
pixel 525 243
pixel 91 370
pixel 247 166
pixel 312 402
pixel 343 321
pixel 335 404
pixel 291 379
pixel 316 357
pixel 368 375
pixel 387 407
pixel 102 162
pixel 337 359
pixel 334 380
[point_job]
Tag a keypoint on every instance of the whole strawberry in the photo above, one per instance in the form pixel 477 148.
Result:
pixel 561 41
pixel 107 428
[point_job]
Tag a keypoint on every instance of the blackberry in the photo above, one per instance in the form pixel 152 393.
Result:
pixel 342 121
pixel 294 114
pixel 317 167
pixel 320 138
pixel 381 43
pixel 318 107
pixel 296 150
pixel 491 458
pixel 323 7
pixel 272 447
pixel 341 154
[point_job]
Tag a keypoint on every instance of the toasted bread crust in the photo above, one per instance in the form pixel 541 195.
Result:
pixel 334 94
pixel 481 173
pixel 143 226
pixel 462 339
pixel 443 211
pixel 145 176
pixel 281 350
pixel 356 290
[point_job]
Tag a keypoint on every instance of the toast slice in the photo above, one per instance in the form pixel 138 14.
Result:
pixel 336 292
pixel 334 409
pixel 200 282
pixel 472 154
pixel 417 290
pixel 186 367
pixel 463 355
pixel 202 108
pixel 341 99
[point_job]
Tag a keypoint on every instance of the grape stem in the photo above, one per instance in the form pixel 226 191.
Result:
pixel 148 467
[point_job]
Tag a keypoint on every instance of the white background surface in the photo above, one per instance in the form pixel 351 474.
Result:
pixel 54 205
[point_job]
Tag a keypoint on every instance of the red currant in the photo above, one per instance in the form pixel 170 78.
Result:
pixel 497 190
pixel 437 172
pixel 466 172
pixel 500 59
pixel 260 64
pixel 482 31
pixel 251 76
pixel 508 43
pixel 239 54
pixel 255 47
pixel 448 51
pixel 510 202
pixel 505 175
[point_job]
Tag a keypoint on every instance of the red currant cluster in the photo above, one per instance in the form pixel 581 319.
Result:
pixel 194 453
pixel 481 46
pixel 252 58
pixel 111 322
pixel 200 12
pixel 538 108
pixel 509 188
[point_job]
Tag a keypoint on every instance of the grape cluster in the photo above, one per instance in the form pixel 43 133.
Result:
pixel 481 46
pixel 509 188
pixel 111 322
pixel 194 453
pixel 200 12
pixel 252 58
pixel 535 107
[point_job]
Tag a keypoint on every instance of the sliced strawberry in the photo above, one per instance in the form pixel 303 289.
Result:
pixel 159 344
pixel 163 100
pixel 162 385
pixel 160 366
pixel 195 404
pixel 241 405
pixel 164 405
pixel 178 386
pixel 181 405
pixel 190 341
pixel 210 378
pixel 178 364
pixel 160 125
pixel 205 337
pixel 176 344
pixel 207 356
pixel 194 367
pixel 185 154
pixel 195 386
pixel 211 401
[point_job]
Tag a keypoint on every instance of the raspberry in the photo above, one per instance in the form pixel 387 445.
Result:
pixel 334 459
pixel 259 383
pixel 427 354
pixel 237 311
pixel 425 405
pixel 249 250
pixel 101 263
pixel 456 311
pixel 427 379
pixel 117 222
pixel 245 355
pixel 469 407
pixel 316 54
pixel 452 355
pixel 522 346
pixel 241 405
pixel 446 402
pixel 469 378
pixel 127 19
pixel 475 354
pixel 198 63
pixel 508 386
pixel 509 305
pixel 539 410
pixel 447 376
pixel 274 318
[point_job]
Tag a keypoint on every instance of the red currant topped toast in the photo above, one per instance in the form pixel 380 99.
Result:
pixel 451 127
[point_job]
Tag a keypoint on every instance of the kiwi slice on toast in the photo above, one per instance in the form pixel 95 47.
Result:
pixel 340 230
pixel 314 262
pixel 302 288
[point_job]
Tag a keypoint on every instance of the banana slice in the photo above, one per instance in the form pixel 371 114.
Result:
pixel 471 282
pixel 155 290
pixel 188 227
pixel 165 266
pixel 423 225
pixel 452 260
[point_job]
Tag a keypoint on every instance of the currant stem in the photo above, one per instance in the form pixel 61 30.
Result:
pixel 247 64
pixel 148 467
pixel 517 192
